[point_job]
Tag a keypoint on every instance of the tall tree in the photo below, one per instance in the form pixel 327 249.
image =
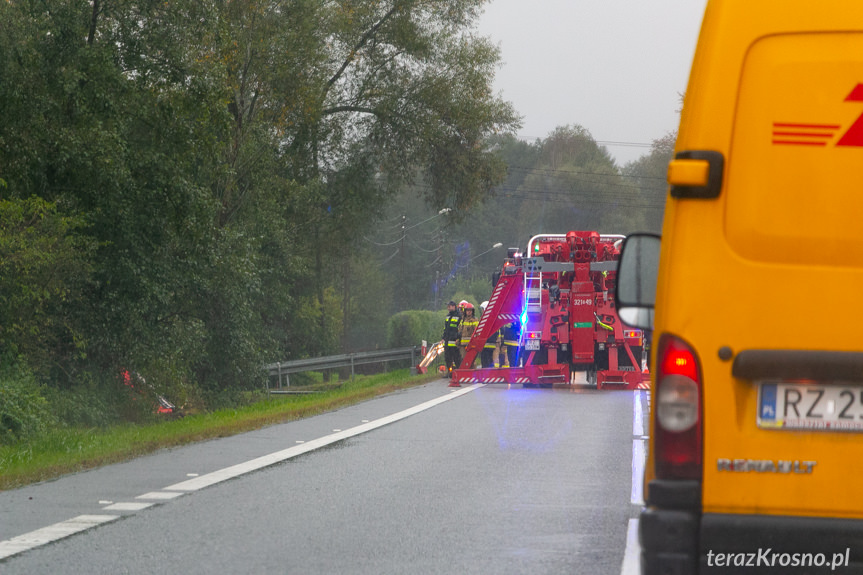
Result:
pixel 223 158
pixel 648 173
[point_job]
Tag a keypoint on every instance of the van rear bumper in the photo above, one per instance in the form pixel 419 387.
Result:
pixel 684 541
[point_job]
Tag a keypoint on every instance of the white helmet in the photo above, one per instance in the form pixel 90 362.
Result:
pixel 483 305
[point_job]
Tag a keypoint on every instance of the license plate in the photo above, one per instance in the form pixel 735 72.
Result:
pixel 531 345
pixel 811 406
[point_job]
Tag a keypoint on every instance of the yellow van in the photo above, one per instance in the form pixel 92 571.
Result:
pixel 756 442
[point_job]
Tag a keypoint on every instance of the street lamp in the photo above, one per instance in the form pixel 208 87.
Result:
pixel 494 247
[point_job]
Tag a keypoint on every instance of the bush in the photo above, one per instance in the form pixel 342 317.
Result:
pixel 409 328
pixel 24 411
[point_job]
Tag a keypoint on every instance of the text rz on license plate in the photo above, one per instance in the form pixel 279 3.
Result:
pixel 815 406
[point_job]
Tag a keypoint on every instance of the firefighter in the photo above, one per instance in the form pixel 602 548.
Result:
pixel 510 342
pixel 498 355
pixel 466 328
pixel 450 338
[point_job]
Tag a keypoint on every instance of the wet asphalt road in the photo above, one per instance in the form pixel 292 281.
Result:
pixel 499 480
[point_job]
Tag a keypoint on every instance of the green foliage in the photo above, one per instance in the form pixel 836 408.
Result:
pixel 24 411
pixel 45 267
pixel 409 328
pixel 224 169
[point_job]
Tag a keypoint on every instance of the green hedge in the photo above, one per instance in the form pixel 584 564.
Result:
pixel 410 327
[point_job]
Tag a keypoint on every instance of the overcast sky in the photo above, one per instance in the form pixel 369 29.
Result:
pixel 616 67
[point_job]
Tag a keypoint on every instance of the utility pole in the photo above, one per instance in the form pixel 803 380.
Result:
pixel 402 277
pixel 439 270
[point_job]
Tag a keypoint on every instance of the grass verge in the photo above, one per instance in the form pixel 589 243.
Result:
pixel 65 451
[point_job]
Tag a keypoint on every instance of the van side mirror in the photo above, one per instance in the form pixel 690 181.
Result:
pixel 637 273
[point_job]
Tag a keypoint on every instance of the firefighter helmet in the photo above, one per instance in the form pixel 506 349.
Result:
pixel 468 305
pixel 483 305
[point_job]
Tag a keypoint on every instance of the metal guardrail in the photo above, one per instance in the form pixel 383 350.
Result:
pixel 283 369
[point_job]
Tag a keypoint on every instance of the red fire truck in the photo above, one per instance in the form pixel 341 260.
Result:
pixel 560 296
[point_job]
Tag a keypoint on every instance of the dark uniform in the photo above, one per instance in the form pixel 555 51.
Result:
pixel 487 356
pixel 450 338
pixel 510 341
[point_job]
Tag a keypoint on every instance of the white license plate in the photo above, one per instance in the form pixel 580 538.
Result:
pixel 811 406
pixel 531 345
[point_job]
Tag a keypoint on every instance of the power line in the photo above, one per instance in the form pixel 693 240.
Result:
pixel 384 245
pixel 528 139
pixel 586 181
pixel 402 229
pixel 414 244
pixel 579 200
pixel 629 144
pixel 530 169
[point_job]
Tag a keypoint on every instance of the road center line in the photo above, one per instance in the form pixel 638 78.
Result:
pixel 279 456
pixel 128 506
pixel 51 533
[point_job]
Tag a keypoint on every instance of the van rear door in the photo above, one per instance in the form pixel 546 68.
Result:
pixel 784 419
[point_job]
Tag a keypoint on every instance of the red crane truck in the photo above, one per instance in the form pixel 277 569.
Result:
pixel 560 294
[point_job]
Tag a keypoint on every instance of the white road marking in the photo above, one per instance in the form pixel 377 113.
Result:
pixel 279 456
pixel 632 556
pixel 638 418
pixel 637 495
pixel 638 450
pixel 51 533
pixel 128 506
pixel 192 474
pixel 159 495
pixel 105 502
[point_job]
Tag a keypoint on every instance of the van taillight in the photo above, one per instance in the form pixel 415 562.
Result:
pixel 678 426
